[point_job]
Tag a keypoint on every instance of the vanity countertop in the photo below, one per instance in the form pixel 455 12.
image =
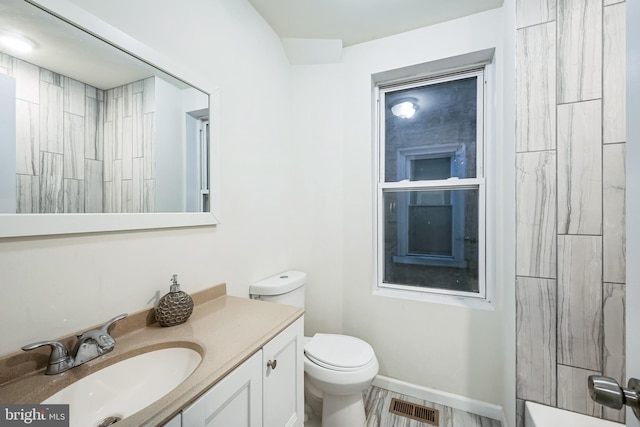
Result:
pixel 226 329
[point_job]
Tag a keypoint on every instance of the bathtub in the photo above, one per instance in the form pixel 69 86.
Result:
pixel 536 415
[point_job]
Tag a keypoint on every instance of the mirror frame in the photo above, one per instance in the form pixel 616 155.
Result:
pixel 18 225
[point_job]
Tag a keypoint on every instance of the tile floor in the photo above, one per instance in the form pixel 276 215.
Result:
pixel 312 421
pixel 377 401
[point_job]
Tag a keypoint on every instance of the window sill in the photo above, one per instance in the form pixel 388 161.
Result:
pixel 476 303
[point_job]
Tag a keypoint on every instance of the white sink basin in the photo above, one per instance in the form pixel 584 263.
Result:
pixel 124 388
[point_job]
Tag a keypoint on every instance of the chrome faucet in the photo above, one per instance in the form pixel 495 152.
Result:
pixel 90 344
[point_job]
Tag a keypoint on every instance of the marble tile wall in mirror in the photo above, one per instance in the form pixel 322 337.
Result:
pixel 80 149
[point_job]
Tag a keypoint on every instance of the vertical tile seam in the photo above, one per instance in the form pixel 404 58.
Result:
pixel 602 172
pixel 557 36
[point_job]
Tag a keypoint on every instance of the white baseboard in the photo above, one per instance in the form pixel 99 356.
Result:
pixel 462 403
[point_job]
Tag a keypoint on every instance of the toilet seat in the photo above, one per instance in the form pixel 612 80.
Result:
pixel 339 352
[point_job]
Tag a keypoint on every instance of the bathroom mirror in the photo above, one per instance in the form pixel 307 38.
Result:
pixel 98 132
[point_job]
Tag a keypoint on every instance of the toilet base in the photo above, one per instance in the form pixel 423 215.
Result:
pixel 312 397
pixel 342 411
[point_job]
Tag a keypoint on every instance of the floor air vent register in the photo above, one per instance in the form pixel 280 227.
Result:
pixel 415 412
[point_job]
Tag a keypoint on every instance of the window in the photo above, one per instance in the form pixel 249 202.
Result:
pixel 204 164
pixel 430 185
pixel 198 153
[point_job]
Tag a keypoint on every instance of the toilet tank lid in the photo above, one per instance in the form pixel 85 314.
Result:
pixel 279 284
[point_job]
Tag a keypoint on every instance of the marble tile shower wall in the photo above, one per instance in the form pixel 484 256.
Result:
pixel 129 175
pixel 79 148
pixel 570 156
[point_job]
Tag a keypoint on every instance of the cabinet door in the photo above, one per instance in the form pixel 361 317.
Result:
pixel 175 421
pixel 235 401
pixel 283 376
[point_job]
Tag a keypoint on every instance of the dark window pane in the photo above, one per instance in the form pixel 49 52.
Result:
pixel 430 230
pixel 443 126
pixel 431 239
pixel 425 169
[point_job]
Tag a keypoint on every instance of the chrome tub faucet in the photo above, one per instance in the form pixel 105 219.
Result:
pixel 90 344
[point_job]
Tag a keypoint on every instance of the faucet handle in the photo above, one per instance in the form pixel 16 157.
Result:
pixel 110 322
pixel 59 359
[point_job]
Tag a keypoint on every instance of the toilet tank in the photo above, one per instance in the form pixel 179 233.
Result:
pixel 284 288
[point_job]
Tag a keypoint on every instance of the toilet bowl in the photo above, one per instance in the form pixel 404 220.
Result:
pixel 337 368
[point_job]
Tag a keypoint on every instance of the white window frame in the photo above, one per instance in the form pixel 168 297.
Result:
pixel 483 298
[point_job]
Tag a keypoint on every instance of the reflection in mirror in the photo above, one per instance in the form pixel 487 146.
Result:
pixel 88 128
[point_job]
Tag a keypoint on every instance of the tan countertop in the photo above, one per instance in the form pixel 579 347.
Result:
pixel 226 330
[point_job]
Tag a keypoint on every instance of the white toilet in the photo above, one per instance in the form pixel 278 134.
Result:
pixel 337 368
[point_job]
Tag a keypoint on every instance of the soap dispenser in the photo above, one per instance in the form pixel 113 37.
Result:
pixel 175 307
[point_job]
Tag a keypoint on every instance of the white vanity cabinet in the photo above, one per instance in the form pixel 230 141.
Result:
pixel 265 391
pixel 283 378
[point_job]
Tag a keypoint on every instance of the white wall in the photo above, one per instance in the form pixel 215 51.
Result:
pixel 169 148
pixel 453 349
pixel 318 121
pixel 57 285
pixel 177 147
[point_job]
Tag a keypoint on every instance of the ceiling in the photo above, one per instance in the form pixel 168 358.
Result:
pixel 67 50
pixel 358 21
pixel 351 21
